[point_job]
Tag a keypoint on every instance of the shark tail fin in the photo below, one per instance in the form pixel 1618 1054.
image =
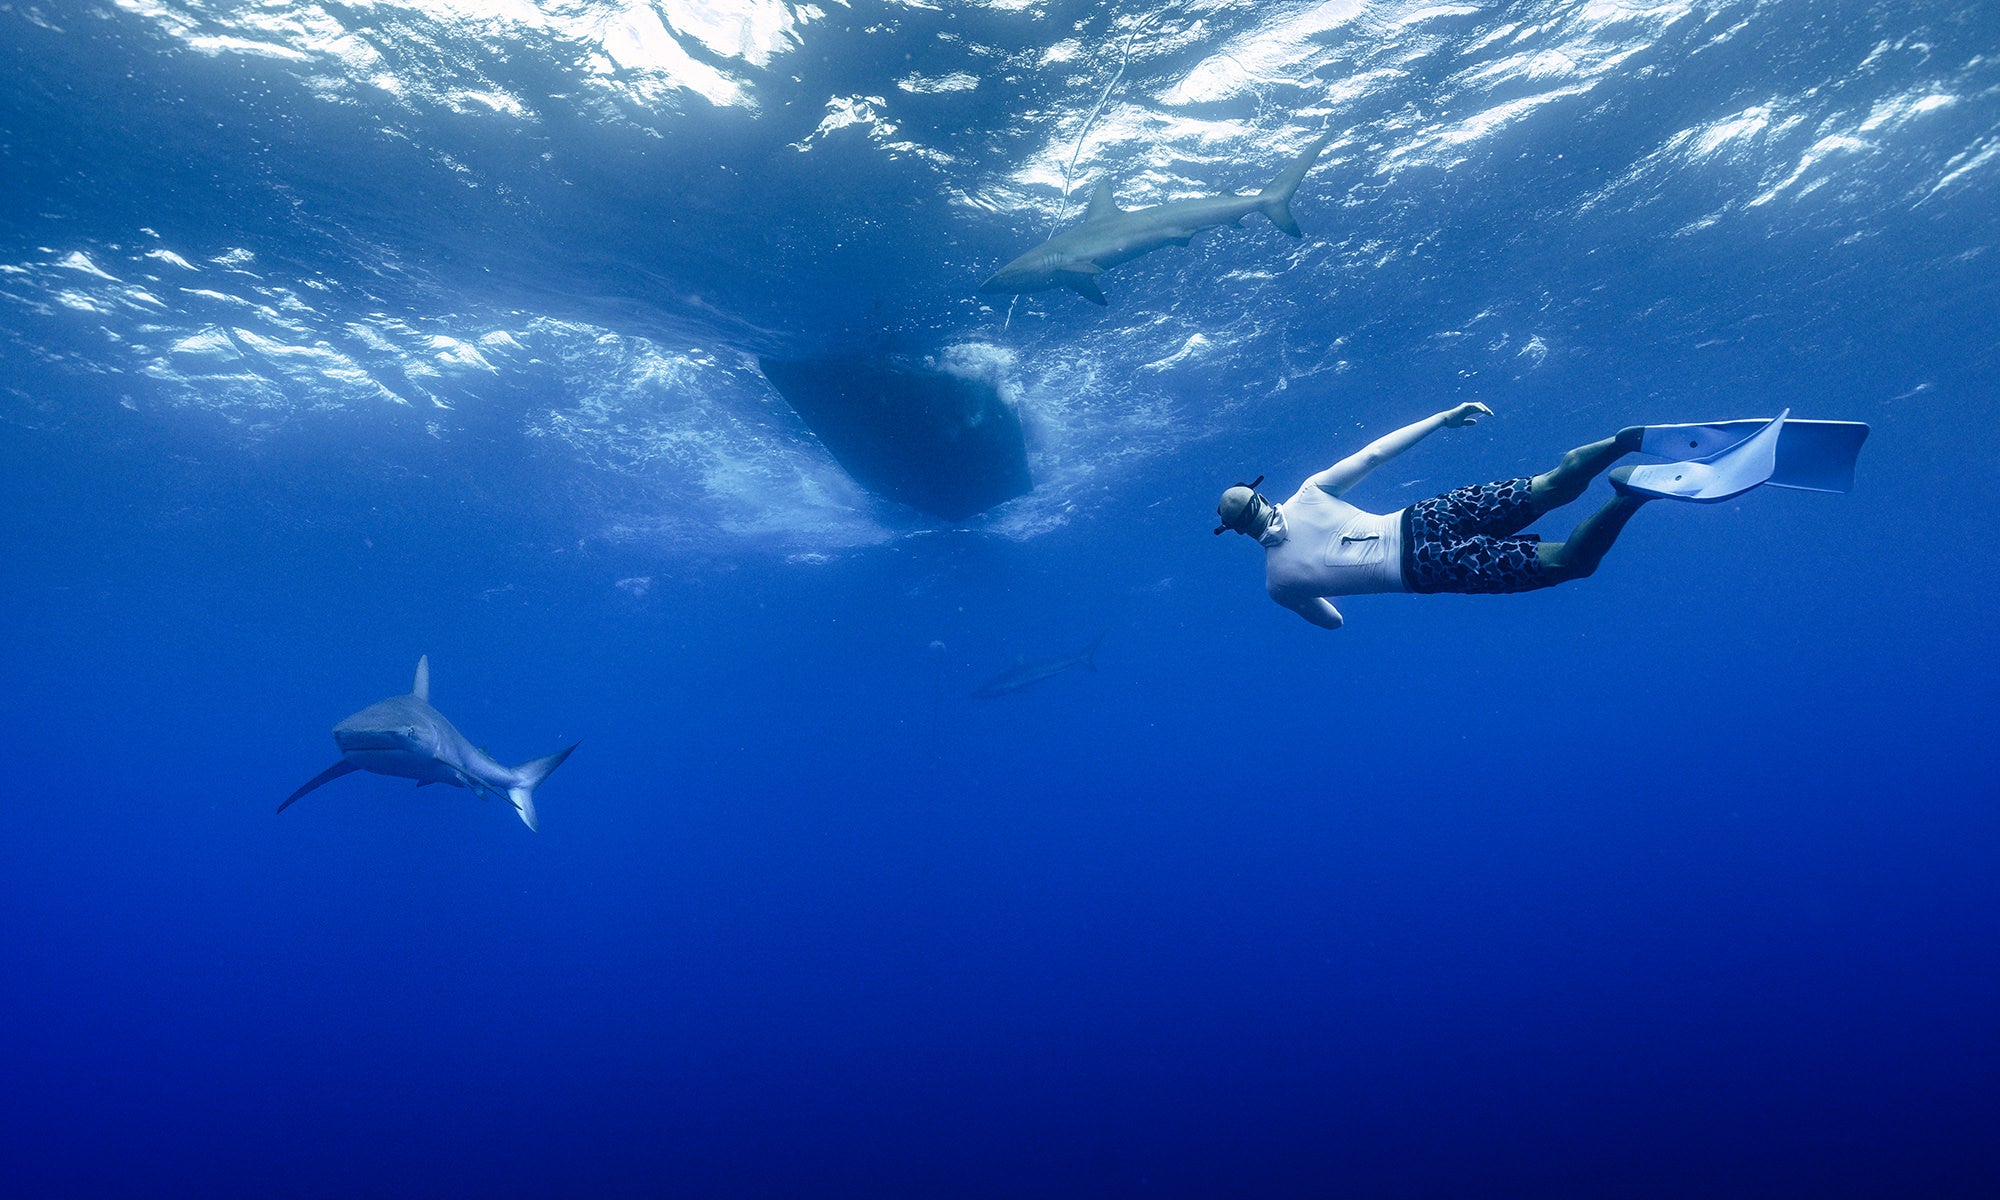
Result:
pixel 1090 651
pixel 530 775
pixel 1277 195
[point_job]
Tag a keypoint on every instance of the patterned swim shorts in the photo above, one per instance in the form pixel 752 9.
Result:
pixel 1465 540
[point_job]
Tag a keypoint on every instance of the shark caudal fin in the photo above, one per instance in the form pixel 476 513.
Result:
pixel 1277 195
pixel 1090 652
pixel 530 774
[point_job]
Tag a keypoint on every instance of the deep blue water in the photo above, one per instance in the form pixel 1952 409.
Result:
pixel 334 335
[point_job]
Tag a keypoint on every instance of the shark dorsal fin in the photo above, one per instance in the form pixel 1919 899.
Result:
pixel 1102 206
pixel 421 689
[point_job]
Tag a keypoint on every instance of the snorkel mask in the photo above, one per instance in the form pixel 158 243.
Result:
pixel 1244 509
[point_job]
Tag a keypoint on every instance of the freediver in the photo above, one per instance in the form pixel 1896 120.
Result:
pixel 1469 539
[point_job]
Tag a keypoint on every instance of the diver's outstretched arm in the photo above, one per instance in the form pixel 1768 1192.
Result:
pixel 1355 467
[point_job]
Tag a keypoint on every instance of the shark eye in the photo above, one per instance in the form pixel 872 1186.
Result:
pixel 411 731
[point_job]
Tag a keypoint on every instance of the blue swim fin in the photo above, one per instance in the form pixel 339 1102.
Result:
pixel 1731 471
pixel 1814 456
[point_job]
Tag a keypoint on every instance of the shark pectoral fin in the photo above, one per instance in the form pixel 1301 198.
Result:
pixel 1085 286
pixel 333 772
pixel 1086 267
pixel 1181 241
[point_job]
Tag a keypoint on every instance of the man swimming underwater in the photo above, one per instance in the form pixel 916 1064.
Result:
pixel 1317 545
pixel 1469 539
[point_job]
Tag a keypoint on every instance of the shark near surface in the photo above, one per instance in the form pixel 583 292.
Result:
pixel 1109 235
pixel 405 737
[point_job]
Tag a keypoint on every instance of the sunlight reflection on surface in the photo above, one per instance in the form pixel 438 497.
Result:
pixel 1167 103
pixel 637 49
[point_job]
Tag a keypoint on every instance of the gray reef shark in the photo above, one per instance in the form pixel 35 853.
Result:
pixel 1110 235
pixel 405 737
pixel 1024 674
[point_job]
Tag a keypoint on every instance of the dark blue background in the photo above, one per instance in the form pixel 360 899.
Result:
pixel 1678 881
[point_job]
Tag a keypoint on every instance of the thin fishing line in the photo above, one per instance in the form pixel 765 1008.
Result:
pixel 1069 169
pixel 1124 57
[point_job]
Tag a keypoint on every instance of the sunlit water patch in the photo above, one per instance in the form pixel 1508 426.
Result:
pixel 494 260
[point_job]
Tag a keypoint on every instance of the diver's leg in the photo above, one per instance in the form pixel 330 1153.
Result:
pixel 1587 543
pixel 1557 487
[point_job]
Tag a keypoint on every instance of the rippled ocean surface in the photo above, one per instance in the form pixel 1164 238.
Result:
pixel 337 334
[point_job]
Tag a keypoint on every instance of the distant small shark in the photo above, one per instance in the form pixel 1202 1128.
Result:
pixel 1025 674
pixel 1110 235
pixel 405 737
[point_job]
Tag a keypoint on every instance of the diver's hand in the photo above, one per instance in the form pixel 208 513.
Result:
pixel 1465 414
